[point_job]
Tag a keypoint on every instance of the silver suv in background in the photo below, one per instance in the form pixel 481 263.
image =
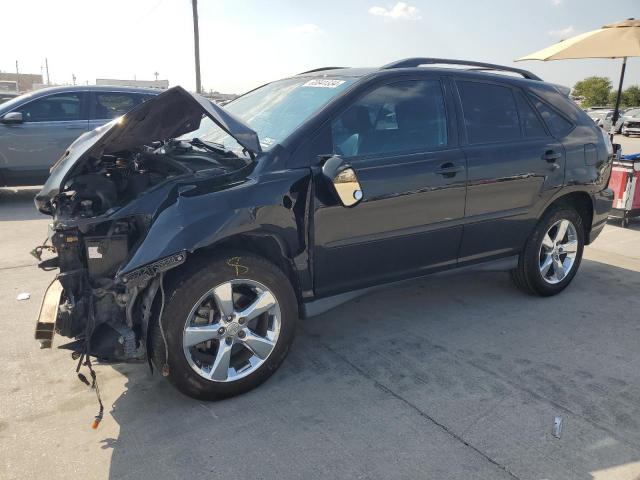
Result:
pixel 36 128
pixel 631 122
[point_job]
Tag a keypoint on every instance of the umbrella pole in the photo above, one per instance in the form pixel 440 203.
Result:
pixel 616 111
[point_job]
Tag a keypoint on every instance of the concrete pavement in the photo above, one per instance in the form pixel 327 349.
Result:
pixel 453 377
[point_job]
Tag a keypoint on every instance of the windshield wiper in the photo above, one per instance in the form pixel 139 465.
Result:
pixel 214 147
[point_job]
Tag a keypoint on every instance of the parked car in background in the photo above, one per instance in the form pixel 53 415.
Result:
pixel 36 128
pixel 195 235
pixel 631 122
pixel 597 114
pixel 603 117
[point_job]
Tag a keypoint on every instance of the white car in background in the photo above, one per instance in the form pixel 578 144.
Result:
pixel 603 117
pixel 631 122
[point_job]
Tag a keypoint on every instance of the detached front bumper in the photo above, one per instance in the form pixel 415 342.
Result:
pixel 602 203
pixel 46 324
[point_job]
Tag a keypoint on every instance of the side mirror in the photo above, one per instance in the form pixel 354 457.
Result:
pixel 342 180
pixel 12 117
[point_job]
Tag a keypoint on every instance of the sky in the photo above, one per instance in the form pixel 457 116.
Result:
pixel 246 43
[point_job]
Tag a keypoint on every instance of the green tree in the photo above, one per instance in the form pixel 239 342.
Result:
pixel 630 97
pixel 612 98
pixel 595 91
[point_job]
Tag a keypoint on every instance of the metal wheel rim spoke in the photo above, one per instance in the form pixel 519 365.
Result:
pixel 224 298
pixel 263 303
pixel 547 242
pixel 558 251
pixel 259 346
pixel 195 335
pixel 231 330
pixel 220 367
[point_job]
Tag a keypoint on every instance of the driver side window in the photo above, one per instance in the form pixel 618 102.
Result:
pixel 400 117
pixel 53 108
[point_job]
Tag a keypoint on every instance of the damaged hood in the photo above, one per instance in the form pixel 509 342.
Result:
pixel 169 115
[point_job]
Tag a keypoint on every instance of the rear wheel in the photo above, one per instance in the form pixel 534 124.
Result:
pixel 552 254
pixel 228 326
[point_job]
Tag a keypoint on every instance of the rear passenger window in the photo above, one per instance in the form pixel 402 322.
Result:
pixel 400 117
pixel 531 125
pixel 490 113
pixel 114 104
pixel 558 125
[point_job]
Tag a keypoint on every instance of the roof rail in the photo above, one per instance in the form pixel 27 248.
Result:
pixel 416 62
pixel 320 70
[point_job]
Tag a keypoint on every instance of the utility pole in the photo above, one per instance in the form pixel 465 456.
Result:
pixel 196 41
pixel 17 78
pixel 46 66
pixel 73 75
pixel 156 75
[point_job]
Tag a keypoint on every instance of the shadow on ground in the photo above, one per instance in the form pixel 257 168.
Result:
pixel 450 377
pixel 634 223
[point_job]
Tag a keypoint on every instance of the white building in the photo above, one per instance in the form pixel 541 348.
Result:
pixel 160 84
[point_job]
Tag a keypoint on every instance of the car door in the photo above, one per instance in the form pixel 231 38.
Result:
pixel 513 164
pixel 107 105
pixel 49 125
pixel 402 143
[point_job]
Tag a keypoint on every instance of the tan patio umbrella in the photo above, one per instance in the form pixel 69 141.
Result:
pixel 617 40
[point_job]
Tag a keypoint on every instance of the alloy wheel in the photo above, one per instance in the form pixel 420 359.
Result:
pixel 558 251
pixel 231 330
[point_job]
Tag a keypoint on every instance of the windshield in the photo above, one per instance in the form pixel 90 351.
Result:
pixel 275 110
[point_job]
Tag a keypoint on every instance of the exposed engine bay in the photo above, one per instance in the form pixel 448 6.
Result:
pixel 109 315
pixel 114 180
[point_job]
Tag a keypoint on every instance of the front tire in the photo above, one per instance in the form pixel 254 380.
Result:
pixel 228 325
pixel 552 254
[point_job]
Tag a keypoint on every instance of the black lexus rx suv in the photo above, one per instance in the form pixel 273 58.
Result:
pixel 195 236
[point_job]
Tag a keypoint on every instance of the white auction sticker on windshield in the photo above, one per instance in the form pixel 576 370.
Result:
pixel 323 83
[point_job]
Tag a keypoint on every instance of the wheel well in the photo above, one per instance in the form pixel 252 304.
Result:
pixel 261 246
pixel 583 204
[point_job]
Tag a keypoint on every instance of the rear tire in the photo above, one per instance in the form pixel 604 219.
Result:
pixel 547 269
pixel 253 347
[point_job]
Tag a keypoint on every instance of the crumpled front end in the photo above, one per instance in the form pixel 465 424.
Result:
pixel 104 196
pixel 107 313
